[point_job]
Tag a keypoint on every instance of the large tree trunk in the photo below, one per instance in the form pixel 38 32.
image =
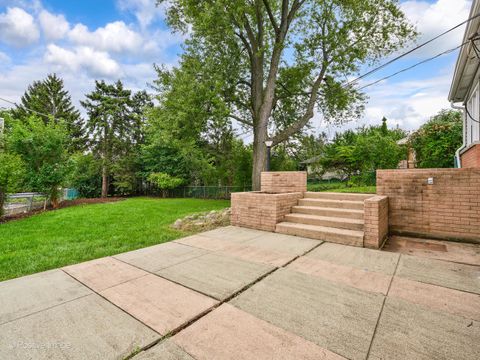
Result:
pixel 259 155
pixel 104 182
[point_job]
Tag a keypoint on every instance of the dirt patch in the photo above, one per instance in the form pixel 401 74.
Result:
pixel 63 204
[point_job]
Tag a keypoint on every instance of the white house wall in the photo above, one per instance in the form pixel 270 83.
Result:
pixel 472 131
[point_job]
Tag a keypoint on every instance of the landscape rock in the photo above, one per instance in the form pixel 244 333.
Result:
pixel 203 221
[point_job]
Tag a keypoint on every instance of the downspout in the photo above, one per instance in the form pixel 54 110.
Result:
pixel 457 153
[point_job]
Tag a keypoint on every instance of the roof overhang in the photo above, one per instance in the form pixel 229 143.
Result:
pixel 467 63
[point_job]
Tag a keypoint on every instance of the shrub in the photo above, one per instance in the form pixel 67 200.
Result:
pixel 165 182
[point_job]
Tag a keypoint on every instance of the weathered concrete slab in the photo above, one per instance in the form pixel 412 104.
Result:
pixel 216 275
pixel 166 350
pixel 206 243
pixel 336 317
pixel 268 248
pixel 442 273
pixel 438 298
pixel 160 256
pixel 86 328
pixel 103 273
pixel 234 233
pixel 441 250
pixel 409 331
pixel 357 278
pixel 294 245
pixel 30 294
pixel 258 255
pixel 158 303
pixel 230 333
pixel 360 258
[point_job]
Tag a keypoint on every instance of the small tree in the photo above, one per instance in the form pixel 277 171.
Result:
pixel 42 146
pixel 437 140
pixel 165 182
pixel 12 171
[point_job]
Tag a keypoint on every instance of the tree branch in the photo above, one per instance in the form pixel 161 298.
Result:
pixel 297 126
pixel 271 16
pixel 240 120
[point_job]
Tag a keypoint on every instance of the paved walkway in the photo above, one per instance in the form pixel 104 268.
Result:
pixel 234 293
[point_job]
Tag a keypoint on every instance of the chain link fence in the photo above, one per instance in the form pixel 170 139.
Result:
pixel 201 192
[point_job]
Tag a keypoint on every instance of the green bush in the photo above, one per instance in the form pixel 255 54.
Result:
pixel 165 182
pixel 86 175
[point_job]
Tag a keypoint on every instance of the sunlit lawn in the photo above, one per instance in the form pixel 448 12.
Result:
pixel 75 234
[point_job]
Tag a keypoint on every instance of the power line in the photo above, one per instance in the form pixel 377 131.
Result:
pixel 33 111
pixel 412 50
pixel 414 65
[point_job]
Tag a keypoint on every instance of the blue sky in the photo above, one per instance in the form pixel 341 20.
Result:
pixel 111 39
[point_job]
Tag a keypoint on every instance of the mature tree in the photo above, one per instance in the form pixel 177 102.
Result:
pixel 272 63
pixel 43 148
pixel 437 140
pixel 115 124
pixel 49 97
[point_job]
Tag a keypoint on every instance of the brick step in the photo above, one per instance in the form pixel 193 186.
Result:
pixel 337 196
pixel 340 236
pixel 330 212
pixel 335 222
pixel 327 203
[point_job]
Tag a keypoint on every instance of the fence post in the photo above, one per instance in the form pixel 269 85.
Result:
pixel 31 203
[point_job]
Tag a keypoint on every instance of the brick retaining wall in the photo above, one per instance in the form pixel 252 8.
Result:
pixel 261 211
pixel 283 181
pixel 447 209
pixel 375 221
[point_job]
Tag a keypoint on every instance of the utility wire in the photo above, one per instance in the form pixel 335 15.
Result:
pixel 412 50
pixel 413 66
pixel 33 111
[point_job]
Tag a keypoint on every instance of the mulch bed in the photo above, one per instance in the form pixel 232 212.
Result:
pixel 63 204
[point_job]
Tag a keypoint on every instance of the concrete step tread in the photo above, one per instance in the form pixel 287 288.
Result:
pixel 323 229
pixel 333 210
pixel 324 201
pixel 324 218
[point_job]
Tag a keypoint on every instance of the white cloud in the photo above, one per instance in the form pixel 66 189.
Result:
pixel 18 28
pixel 433 19
pixel 98 63
pixel 116 37
pixel 144 10
pixel 54 26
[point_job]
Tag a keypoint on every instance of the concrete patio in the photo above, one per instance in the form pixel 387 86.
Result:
pixel 236 293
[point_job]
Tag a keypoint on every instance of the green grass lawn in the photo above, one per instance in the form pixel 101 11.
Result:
pixel 79 233
pixel 337 186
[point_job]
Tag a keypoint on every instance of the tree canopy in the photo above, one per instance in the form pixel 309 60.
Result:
pixel 49 97
pixel 272 64
pixel 437 140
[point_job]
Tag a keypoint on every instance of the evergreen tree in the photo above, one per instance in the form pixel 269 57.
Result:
pixel 114 126
pixel 49 97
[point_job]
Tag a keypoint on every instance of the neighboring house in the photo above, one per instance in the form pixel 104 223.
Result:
pixel 465 90
pixel 315 170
